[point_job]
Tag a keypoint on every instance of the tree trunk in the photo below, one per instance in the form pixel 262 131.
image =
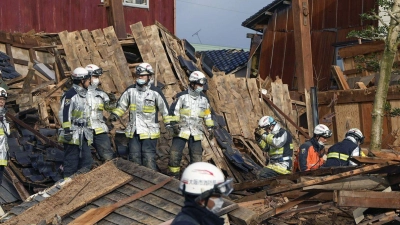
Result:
pixel 386 65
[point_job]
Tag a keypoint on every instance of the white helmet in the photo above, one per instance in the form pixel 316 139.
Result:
pixel 356 133
pixel 322 130
pixel 197 77
pixel 80 73
pixel 94 70
pixel 3 93
pixel 201 177
pixel 266 121
pixel 144 69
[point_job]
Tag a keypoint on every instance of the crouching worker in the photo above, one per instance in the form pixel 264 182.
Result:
pixel 4 132
pixel 202 184
pixel 339 154
pixel 311 153
pixel 278 143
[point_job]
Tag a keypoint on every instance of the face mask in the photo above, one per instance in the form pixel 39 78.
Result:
pixel 140 81
pixel 199 89
pixel 95 81
pixel 218 202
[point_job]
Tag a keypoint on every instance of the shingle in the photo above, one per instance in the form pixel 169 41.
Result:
pixel 228 60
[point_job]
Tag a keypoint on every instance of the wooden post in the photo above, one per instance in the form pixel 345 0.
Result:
pixel 116 18
pixel 302 44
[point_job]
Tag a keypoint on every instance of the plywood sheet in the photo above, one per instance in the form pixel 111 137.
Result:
pixel 347 116
pixel 395 121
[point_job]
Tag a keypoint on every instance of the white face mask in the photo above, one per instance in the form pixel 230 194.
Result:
pixel 140 81
pixel 95 81
pixel 218 202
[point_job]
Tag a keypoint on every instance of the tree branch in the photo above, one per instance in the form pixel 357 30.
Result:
pixel 380 19
pixel 393 17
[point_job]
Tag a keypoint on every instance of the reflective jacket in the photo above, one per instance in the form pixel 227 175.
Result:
pixel 339 153
pixel 190 109
pixel 143 103
pixel 279 146
pixel 4 131
pixel 97 101
pixel 75 115
pixel 309 155
pixel 194 214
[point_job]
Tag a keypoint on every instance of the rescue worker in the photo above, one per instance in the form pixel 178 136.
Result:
pixel 4 132
pixel 311 153
pixel 189 110
pixel 339 154
pixel 76 133
pixel 144 101
pixel 202 185
pixel 278 143
pixel 97 101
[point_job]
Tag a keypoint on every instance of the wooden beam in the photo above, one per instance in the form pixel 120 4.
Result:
pixel 356 96
pixel 295 176
pixel 116 18
pixel 370 199
pixel 321 180
pixel 360 182
pixel 302 37
pixel 339 77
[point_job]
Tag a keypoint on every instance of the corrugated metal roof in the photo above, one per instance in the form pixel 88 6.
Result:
pixel 228 60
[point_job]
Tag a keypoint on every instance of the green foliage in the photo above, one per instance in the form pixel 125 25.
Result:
pixel 370 61
pixel 391 112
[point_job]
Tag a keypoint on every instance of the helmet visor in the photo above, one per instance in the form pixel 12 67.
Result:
pixel 140 70
pixel 97 72
pixel 3 94
pixel 201 81
pixel 327 134
pixel 224 188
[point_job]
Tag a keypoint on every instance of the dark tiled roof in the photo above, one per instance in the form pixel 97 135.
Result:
pixel 228 60
pixel 270 7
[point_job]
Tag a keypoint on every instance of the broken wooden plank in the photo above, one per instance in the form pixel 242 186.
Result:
pixel 339 77
pixel 242 216
pixel 80 48
pixel 330 178
pixel 118 56
pixel 360 182
pixel 107 62
pixel 107 83
pixel 142 42
pixel 71 55
pixel 165 69
pixel 370 199
pixel 99 186
pixel 22 192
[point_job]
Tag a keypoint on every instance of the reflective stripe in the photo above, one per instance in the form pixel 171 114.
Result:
pixel 184 135
pixel 1 131
pixel 291 146
pixel 151 136
pixel 66 124
pixel 168 119
pixel 175 118
pixel 337 155
pixel 185 112
pixel 276 151
pixel 101 107
pixel 148 109
pixel 262 144
pixel 119 112
pixel 72 142
pixel 362 153
pixel 76 114
pixel 286 158
pixel 205 113
pixel 3 162
pixel 99 130
pixel 278 169
pixel 129 134
pixel 132 107
pixel 269 138
pixel 174 169
pixel 198 137
pixel 209 123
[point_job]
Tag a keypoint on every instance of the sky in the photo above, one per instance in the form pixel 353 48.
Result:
pixel 219 21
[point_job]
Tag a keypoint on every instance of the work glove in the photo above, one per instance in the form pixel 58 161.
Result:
pixel 112 97
pixel 67 135
pixel 176 128
pixel 210 133
pixel 259 132
pixel 113 117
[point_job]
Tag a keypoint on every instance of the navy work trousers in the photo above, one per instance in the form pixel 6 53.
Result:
pixel 178 144
pixel 72 160
pixel 143 151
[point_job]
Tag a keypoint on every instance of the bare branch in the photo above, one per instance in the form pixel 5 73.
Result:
pixel 393 17
pixel 380 19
